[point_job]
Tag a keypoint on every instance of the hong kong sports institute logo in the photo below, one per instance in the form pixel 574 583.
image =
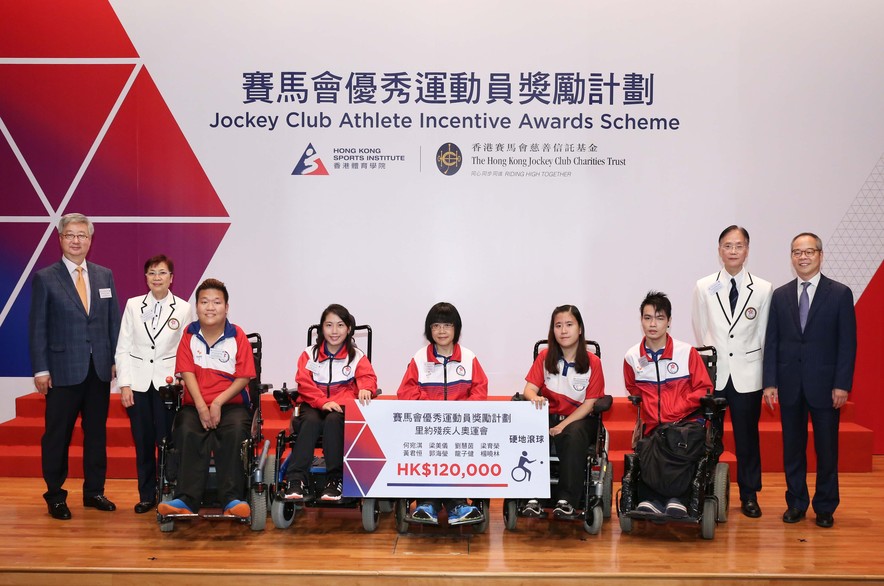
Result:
pixel 310 163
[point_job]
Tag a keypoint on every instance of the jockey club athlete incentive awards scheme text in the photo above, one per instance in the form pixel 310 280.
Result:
pixel 431 89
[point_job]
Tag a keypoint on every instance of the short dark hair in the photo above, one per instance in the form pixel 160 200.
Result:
pixel 159 259
pixel 554 351
pixel 442 313
pixel 659 301
pixel 212 284
pixel 342 312
pixel 819 241
pixel 731 228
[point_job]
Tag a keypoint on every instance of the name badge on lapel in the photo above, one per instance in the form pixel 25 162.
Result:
pixel 105 293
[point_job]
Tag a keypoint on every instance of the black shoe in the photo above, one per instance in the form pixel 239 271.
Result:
pixel 825 520
pixel 751 509
pixel 145 506
pixel 99 502
pixel 564 510
pixel 332 491
pixel 59 511
pixel 793 515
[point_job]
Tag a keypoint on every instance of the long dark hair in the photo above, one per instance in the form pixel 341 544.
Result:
pixel 349 320
pixel 554 351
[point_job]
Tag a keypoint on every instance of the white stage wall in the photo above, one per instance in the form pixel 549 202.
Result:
pixel 780 121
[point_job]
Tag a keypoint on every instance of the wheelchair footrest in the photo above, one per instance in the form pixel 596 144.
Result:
pixel 411 519
pixel 216 516
pixel 659 518
pixel 179 516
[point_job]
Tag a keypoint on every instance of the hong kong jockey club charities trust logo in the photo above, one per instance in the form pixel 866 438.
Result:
pixel 310 163
pixel 449 159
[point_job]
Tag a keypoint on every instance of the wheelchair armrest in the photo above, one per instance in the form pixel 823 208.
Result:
pixel 635 399
pixel 713 407
pixel 285 397
pixel 171 393
pixel 602 404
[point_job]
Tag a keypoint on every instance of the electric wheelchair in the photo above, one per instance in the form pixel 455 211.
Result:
pixel 282 511
pixel 595 501
pixel 254 451
pixel 710 485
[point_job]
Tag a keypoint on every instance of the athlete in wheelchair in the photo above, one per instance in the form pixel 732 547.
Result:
pixel 212 460
pixel 332 373
pixel 569 378
pixel 674 474
pixel 443 371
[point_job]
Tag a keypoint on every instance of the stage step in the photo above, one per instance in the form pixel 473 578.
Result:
pixel 20 439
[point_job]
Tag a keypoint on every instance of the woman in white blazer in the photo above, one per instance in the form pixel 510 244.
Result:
pixel 149 334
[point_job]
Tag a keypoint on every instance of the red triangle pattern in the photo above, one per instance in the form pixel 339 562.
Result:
pixel 145 166
pixel 54 113
pixel 62 28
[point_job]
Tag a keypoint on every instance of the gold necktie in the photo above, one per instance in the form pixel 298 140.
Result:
pixel 81 288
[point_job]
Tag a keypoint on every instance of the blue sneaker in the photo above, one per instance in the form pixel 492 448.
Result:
pixel 649 506
pixel 463 514
pixel 174 507
pixel 237 508
pixel 425 513
pixel 676 509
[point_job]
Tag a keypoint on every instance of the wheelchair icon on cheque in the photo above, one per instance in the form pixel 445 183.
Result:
pixel 521 472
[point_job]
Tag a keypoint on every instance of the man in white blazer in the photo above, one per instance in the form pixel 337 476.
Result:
pixel 730 310
pixel 149 335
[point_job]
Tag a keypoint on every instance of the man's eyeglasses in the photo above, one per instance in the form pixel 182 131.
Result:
pixel 70 237
pixel 734 247
pixel 808 252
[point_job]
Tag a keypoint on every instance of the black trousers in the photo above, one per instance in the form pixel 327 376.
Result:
pixel 151 422
pixel 826 422
pixel 196 446
pixel 89 400
pixel 745 410
pixel 314 423
pixel 571 447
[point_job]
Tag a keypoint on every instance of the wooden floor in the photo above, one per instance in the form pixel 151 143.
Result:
pixel 123 548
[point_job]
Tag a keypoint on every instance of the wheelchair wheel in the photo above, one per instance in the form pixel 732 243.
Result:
pixel 371 514
pixel 258 503
pixel 270 473
pixel 625 524
pixel 510 514
pixel 608 491
pixel 707 523
pixel 592 521
pixel 385 506
pixel 282 513
pixel 722 490
pixel 485 507
pixel 401 515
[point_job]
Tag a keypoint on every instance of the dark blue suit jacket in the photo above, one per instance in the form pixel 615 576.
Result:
pixel 62 335
pixel 819 359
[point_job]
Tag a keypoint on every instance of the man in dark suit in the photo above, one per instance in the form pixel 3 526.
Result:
pixel 74 324
pixel 809 355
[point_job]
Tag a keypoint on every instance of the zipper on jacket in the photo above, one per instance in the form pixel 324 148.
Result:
pixel 659 391
pixel 331 362
pixel 445 378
